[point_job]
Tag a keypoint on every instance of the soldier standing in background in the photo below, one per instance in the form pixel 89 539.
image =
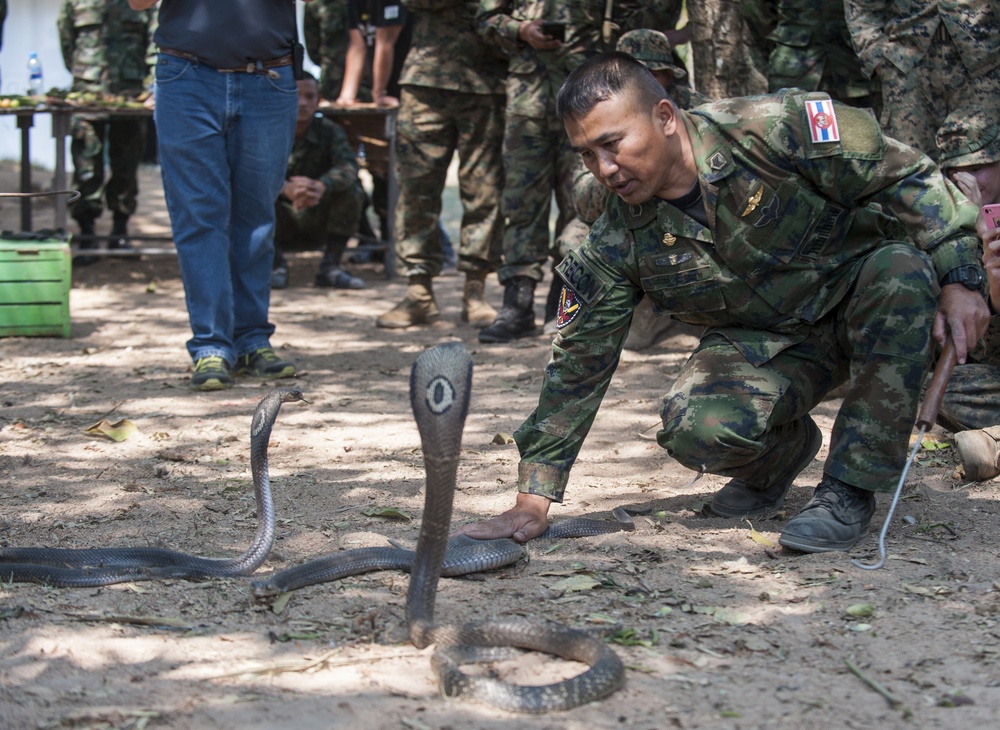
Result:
pixel 925 59
pixel 104 45
pixel 325 30
pixel 452 100
pixel 544 42
pixel 812 51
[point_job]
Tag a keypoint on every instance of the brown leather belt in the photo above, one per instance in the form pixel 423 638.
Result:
pixel 251 67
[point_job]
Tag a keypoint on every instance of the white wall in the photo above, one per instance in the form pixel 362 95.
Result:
pixel 30 26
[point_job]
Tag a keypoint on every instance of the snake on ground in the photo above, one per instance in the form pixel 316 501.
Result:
pixel 67 567
pixel 440 384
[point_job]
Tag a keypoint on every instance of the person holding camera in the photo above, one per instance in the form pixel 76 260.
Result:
pixel 969 149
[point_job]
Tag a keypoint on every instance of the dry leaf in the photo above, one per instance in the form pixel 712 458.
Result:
pixel 117 431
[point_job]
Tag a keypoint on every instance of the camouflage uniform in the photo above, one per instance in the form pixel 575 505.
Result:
pixel 452 100
pixel 324 28
pixel 926 59
pixel 813 51
pixel 970 137
pixel 819 265
pixel 104 45
pixel 323 153
pixel 537 157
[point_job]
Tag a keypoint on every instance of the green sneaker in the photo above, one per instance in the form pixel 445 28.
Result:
pixel 265 364
pixel 211 373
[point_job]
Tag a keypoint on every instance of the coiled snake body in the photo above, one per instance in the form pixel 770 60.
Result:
pixel 440 384
pixel 105 566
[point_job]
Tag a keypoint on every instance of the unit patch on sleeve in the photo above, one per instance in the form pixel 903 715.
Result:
pixel 569 308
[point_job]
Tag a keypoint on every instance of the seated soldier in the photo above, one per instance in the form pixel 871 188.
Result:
pixel 969 144
pixel 320 203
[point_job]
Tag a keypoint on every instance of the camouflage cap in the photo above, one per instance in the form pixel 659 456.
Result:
pixel 969 136
pixel 652 49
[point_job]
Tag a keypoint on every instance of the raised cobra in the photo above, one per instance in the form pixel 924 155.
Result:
pixel 105 566
pixel 440 383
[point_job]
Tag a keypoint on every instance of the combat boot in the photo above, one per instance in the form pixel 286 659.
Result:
pixel 980 452
pixel 475 309
pixel 417 307
pixel 516 317
pixel 119 235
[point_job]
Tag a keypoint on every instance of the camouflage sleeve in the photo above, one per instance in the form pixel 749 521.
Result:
pixel 67 37
pixel 866 21
pixel 594 314
pixel 343 173
pixel 497 26
pixel 868 167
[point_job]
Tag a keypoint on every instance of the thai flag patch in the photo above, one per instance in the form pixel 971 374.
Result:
pixel 822 121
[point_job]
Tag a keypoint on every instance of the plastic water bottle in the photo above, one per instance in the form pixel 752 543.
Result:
pixel 34 75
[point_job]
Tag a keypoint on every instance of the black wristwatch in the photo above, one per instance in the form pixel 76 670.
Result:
pixel 969 276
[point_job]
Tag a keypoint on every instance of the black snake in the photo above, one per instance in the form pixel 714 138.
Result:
pixel 105 566
pixel 440 384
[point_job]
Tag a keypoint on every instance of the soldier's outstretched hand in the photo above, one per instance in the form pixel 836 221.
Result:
pixel 528 518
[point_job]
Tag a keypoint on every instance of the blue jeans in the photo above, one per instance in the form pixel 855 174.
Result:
pixel 224 141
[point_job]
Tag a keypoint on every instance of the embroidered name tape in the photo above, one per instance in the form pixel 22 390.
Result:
pixel 822 121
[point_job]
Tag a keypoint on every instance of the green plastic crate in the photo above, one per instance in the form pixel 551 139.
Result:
pixel 35 278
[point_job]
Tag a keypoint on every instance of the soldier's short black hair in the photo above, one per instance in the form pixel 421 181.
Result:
pixel 603 77
pixel 307 75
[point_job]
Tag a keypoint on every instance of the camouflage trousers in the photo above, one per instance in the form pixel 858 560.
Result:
pixel 538 162
pixel 431 126
pixel 971 399
pixel 915 104
pixel 335 218
pixel 122 140
pixel 728 417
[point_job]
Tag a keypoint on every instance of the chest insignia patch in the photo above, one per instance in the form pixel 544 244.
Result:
pixel 569 308
pixel 669 239
pixel 717 161
pixel 822 121
pixel 674 259
pixel 768 213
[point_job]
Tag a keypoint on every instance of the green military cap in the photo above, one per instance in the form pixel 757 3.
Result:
pixel 969 136
pixel 652 49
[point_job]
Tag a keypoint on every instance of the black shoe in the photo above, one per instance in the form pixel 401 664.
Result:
pixel 835 518
pixel 517 316
pixel 740 498
pixel 337 278
pixel 264 363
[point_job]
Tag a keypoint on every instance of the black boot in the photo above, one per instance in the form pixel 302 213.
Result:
pixel 119 234
pixel 517 316
pixel 86 243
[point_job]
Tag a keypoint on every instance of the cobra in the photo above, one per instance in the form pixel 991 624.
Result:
pixel 106 566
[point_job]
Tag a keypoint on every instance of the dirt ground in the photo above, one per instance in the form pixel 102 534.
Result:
pixel 719 627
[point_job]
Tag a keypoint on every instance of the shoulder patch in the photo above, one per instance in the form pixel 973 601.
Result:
pixel 860 133
pixel 822 121
pixel 569 308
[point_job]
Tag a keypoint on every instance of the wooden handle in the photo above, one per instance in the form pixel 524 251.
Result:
pixel 935 389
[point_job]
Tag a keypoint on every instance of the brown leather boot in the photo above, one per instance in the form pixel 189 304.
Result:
pixel 417 307
pixel 475 309
pixel 980 452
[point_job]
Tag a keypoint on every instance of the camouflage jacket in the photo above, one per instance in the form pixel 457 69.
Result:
pixel 104 45
pixel 812 45
pixel 324 153
pixel 447 53
pixel 901 31
pixel 789 224
pixel 534 77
